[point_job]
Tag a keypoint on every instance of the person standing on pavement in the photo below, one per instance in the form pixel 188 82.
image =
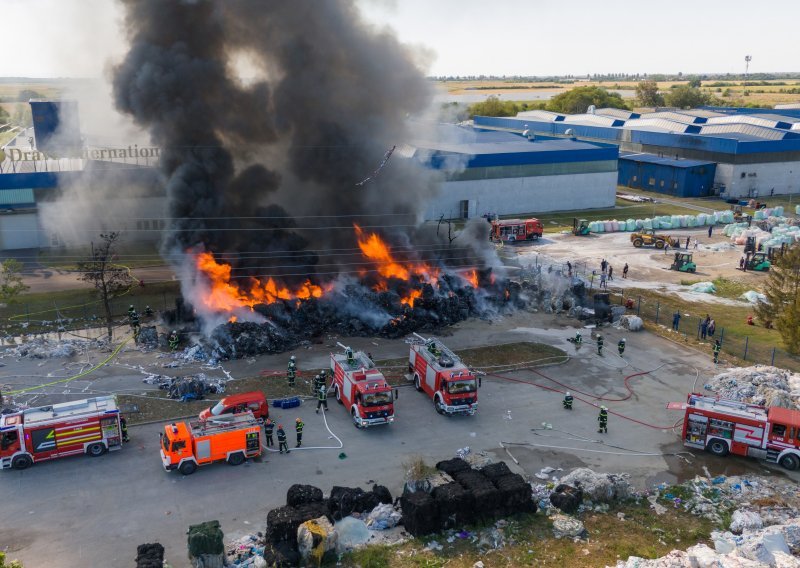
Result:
pixel 603 282
pixel 703 329
pixel 625 270
pixel 322 398
pixel 599 344
pixel 676 320
pixel 710 230
pixel 298 427
pixel 291 371
pixel 621 346
pixel 610 272
pixel 269 426
pixel 695 243
pixel 282 440
pixel 123 423
pixel 712 327
pixel 602 421
pixel 567 401
pixel 717 347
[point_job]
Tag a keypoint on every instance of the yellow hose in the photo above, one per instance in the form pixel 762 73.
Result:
pixel 79 375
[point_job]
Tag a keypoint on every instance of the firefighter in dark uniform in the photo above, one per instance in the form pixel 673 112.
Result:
pixel 567 401
pixel 291 371
pixel 351 357
pixel 602 420
pixel 322 398
pixel 173 341
pixel 599 344
pixel 123 424
pixel 319 382
pixel 716 347
pixel 148 311
pixel 578 339
pixel 269 426
pixel 621 346
pixel 298 426
pixel 282 440
pixel 133 319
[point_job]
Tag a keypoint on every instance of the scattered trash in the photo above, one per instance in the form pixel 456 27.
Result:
pixel 383 517
pixel 433 545
pixel 463 452
pixel 762 385
pixel 569 527
pixel 745 520
pixel 631 323
pixel 352 533
pixel 603 487
pixel 754 297
pixel 703 288
pixel 316 537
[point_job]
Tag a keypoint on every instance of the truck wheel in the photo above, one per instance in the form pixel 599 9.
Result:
pixel 717 447
pixel 416 383
pixel 659 244
pixel 338 395
pixel 96 450
pixel 437 404
pixel 790 462
pixel 22 462
pixel 187 468
pixel 638 243
pixel 236 459
pixel 355 419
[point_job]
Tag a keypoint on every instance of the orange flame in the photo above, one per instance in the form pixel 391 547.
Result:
pixel 412 296
pixel 232 319
pixel 472 278
pixel 226 296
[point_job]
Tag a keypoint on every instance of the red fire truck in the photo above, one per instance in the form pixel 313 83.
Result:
pixel 90 426
pixel 513 230
pixel 727 426
pixel 362 388
pixel 439 373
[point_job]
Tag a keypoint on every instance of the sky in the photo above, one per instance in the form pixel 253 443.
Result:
pixel 82 38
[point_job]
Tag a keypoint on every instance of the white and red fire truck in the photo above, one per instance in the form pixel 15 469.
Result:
pixel 516 230
pixel 439 373
pixel 361 388
pixel 723 426
pixel 91 426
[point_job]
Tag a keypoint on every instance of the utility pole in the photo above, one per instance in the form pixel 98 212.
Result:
pixel 747 60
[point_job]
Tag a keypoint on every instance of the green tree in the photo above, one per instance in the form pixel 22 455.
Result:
pixel 782 290
pixel 647 94
pixel 694 82
pixel 109 280
pixel 493 106
pixel 577 100
pixel 11 284
pixel 684 96
pixel 13 564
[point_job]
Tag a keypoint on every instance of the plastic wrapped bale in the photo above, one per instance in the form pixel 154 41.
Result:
pixel 455 504
pixel 684 220
pixel 343 501
pixel 150 555
pixel 630 225
pixel 797 209
pixel 701 219
pixel 495 470
pixel 604 487
pixel 745 520
pixel 453 466
pixel 614 225
pixel 566 498
pixel 383 494
pixel 300 494
pixel 420 513
pixel 206 546
pixel 282 522
pixel 483 490
pixel 599 227
pixel 353 533
pixel 607 226
pixel 315 538
pixel 691 221
pixel 631 323
pixel 383 517
pixel 675 220
pixel 515 494
pixel 569 527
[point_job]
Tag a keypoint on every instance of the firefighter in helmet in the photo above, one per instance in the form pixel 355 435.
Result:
pixel 298 427
pixel 578 339
pixel 351 357
pixel 599 344
pixel 602 420
pixel 282 446
pixel 322 398
pixel 269 426
pixel 123 423
pixel 621 346
pixel 291 370
pixel 148 311
pixel 567 401
pixel 717 347
pixel 173 340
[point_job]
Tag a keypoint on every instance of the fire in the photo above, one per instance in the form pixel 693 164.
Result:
pixel 232 319
pixel 226 296
pixel 409 300
pixel 472 278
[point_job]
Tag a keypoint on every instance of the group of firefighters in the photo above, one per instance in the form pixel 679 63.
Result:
pixel 136 326
pixel 578 341
pixel 602 419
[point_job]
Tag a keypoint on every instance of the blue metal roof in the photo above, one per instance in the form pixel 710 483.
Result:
pixel 652 159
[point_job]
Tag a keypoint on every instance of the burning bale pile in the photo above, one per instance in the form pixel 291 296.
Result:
pixel 464 495
pixel 761 385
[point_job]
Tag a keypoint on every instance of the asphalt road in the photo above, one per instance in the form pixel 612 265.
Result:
pixel 81 511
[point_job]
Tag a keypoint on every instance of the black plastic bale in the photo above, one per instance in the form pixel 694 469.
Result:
pixel 453 466
pixel 282 522
pixel 383 494
pixel 343 501
pixel 495 470
pixel 281 555
pixel 206 538
pixel 515 494
pixel 485 493
pixel 366 502
pixel 300 494
pixel 456 505
pixel 420 513
pixel 566 498
pixel 150 555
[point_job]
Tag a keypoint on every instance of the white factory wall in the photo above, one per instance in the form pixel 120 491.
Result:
pixel 20 231
pixel 784 177
pixel 512 196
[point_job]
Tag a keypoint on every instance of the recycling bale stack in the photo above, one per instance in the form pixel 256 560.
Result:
pixel 150 555
pixel 345 501
pixel 206 547
pixel 472 495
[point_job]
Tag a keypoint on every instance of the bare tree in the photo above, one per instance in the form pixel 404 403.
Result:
pixel 109 280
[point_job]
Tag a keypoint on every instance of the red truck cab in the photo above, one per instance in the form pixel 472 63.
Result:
pixel 362 389
pixel 514 230
pixel 253 401
pixel 440 373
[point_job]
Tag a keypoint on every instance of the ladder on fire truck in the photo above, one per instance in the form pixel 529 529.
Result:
pixel 443 349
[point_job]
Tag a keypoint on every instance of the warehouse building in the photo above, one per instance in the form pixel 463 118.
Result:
pixel 687 178
pixel 507 174
pixel 756 151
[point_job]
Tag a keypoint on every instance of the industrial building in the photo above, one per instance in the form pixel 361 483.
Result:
pixel 507 174
pixel 756 152
pixel 687 178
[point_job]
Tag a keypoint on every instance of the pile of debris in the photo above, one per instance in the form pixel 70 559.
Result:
pixel 762 385
pixel 461 495
pixel 190 387
pixel 42 348
pixel 777 546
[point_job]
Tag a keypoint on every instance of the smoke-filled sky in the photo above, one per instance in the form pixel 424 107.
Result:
pixel 76 38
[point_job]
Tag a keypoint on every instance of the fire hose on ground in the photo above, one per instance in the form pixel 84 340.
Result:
pixel 328 428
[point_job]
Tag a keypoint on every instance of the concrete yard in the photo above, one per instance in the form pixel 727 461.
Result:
pixel 80 512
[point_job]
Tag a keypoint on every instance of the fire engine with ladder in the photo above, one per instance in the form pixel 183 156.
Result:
pixel 232 438
pixel 439 373
pixel 361 388
pixel 91 426
pixel 725 427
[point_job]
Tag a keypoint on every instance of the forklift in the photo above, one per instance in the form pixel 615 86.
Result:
pixel 580 227
pixel 683 262
pixel 740 217
pixel 757 262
